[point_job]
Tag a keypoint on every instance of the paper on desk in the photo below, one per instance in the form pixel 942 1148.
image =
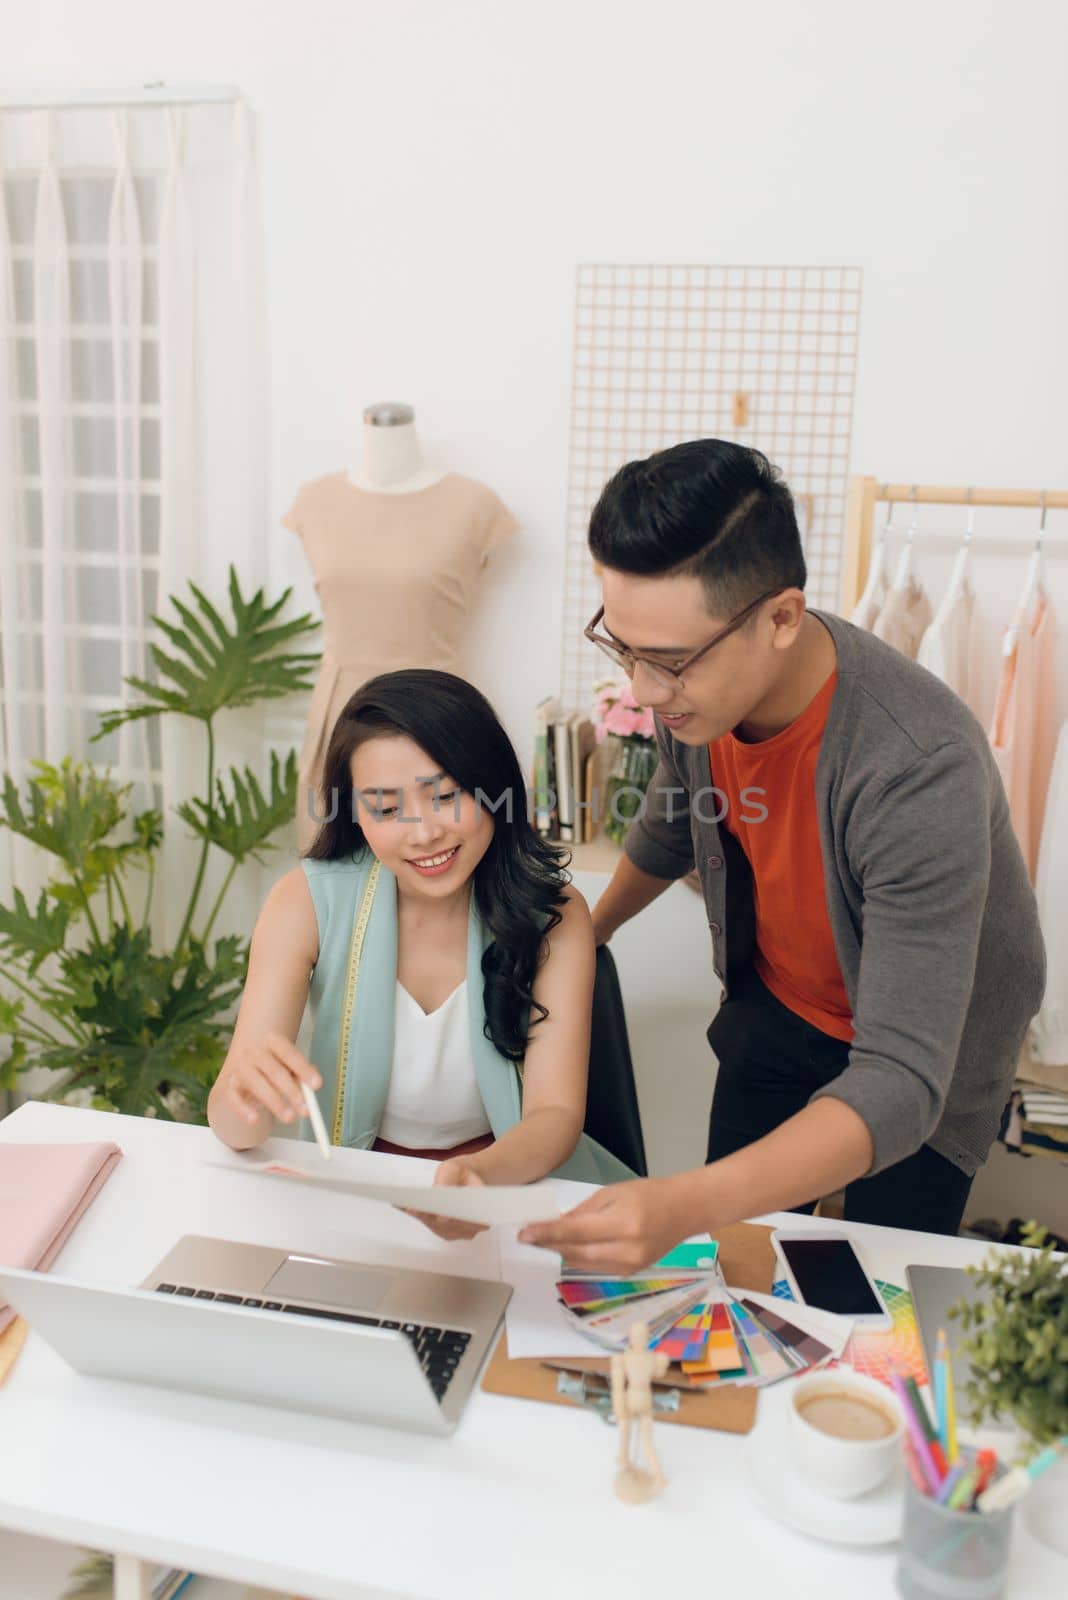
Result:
pixel 503 1205
pixel 535 1323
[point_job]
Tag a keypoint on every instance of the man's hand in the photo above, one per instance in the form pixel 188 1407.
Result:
pixel 621 1228
pixel 456 1173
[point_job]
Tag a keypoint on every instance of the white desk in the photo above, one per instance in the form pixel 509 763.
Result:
pixel 518 1502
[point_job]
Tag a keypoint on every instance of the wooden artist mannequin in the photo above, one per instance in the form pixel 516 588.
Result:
pixel 633 1372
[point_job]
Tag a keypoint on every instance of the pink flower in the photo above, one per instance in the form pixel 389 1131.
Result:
pixel 616 711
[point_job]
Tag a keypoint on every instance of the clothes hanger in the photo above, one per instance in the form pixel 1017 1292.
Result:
pixel 958 577
pixel 906 565
pixel 877 573
pixel 1034 586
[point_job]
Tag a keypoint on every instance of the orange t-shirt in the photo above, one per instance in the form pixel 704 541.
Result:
pixel 795 955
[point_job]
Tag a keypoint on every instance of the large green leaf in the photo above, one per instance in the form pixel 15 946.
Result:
pixel 154 1021
pixel 241 822
pixel 69 811
pixel 218 666
pixel 10 1014
pixel 33 936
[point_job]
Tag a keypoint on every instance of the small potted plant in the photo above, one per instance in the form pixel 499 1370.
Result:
pixel 617 715
pixel 1016 1337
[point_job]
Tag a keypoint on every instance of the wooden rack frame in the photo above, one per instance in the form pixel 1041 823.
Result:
pixel 866 493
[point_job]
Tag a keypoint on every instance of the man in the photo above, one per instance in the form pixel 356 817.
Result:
pixel 870 913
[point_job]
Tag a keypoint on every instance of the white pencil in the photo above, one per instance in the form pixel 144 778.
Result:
pixel 315 1116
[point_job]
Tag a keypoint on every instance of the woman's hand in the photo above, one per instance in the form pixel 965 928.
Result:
pixel 266 1075
pixel 619 1229
pixel 455 1173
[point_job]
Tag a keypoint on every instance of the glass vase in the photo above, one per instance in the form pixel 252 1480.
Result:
pixel 626 785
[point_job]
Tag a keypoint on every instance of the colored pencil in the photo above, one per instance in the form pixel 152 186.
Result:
pixel 928 1427
pixel 963 1490
pixel 949 1400
pixel 915 1430
pixel 941 1393
pixel 950 1482
pixel 915 1471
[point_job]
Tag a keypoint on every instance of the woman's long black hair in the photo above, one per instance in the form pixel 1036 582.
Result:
pixel 518 884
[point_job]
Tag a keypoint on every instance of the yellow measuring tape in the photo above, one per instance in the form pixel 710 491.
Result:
pixel 359 928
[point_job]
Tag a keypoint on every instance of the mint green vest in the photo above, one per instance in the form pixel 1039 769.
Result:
pixel 352 998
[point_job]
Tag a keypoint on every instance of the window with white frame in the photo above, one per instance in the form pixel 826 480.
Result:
pixel 105 466
pixel 133 422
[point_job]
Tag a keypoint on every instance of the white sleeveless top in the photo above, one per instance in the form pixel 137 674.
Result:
pixel 433 1101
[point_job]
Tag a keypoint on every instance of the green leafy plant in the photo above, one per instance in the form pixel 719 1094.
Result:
pixel 1017 1338
pixel 91 1579
pixel 84 992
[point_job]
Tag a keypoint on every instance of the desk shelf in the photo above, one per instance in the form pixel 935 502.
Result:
pixel 39 1569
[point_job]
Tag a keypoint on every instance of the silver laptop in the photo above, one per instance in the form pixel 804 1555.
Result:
pixel 933 1291
pixel 309 1333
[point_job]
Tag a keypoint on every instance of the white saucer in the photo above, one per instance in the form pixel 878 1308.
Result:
pixel 873 1518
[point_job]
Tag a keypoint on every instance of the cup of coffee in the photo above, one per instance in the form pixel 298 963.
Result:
pixel 845 1432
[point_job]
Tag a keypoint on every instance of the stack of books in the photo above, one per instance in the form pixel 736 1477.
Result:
pixel 564 777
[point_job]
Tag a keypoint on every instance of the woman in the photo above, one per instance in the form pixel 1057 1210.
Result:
pixel 449 964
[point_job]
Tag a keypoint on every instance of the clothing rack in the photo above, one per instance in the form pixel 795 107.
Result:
pixel 865 493
pixel 867 497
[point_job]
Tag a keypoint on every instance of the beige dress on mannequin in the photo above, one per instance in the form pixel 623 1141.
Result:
pixel 396 575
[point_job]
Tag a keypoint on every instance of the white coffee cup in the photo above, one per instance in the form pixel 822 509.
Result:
pixel 841 1466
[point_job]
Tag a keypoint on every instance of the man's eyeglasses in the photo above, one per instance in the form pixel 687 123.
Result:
pixel 669 677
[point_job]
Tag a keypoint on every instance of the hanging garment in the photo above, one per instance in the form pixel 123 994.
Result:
pixel 1047 1044
pixel 876 585
pixel 945 648
pixel 396 576
pixel 904 618
pixel 1023 733
pixel 865 613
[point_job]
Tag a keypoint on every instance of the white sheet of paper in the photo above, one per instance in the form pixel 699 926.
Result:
pixel 536 1324
pixel 510 1206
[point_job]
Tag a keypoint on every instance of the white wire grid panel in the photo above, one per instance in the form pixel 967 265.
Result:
pixel 668 353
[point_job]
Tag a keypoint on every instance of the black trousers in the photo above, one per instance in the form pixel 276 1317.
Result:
pixel 770 1062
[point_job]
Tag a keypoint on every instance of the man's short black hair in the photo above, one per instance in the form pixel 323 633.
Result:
pixel 706 509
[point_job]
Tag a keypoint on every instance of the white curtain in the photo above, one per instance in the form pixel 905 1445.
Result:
pixel 133 437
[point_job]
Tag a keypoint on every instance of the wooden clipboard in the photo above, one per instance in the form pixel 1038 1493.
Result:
pixel 747 1257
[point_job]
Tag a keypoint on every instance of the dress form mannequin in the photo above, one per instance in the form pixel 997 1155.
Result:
pixel 391 461
pixel 396 547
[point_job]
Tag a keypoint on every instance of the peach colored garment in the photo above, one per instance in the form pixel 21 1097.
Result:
pixel 1024 730
pixel 396 576
pixel 1047 1055
pixel 904 619
pixel 44 1191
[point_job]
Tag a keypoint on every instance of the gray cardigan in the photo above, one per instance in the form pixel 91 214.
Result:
pixel 934 919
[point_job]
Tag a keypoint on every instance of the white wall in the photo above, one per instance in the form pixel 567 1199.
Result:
pixel 434 172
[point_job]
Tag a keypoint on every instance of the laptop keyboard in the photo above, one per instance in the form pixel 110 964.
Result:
pixel 439 1349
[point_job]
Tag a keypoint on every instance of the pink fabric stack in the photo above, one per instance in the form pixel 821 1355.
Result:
pixel 44 1191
